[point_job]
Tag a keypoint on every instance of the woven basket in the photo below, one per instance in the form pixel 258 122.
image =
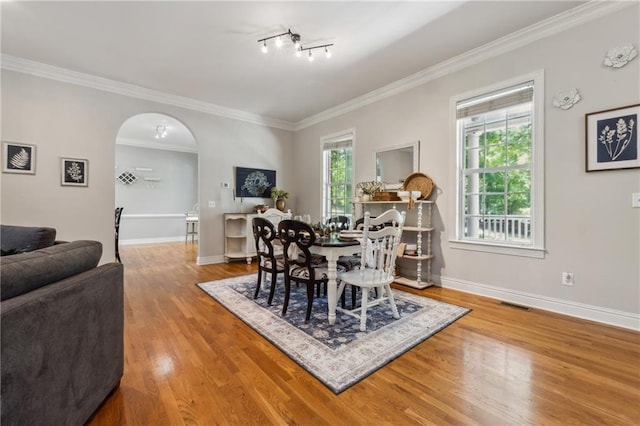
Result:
pixel 419 182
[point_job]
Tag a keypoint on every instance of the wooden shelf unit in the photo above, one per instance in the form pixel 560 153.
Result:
pixel 424 255
pixel 238 236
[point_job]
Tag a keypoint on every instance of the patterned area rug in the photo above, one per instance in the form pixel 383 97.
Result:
pixel 339 355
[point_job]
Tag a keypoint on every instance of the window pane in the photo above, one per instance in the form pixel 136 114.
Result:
pixel 473 227
pixel 473 183
pixel 519 180
pixel 519 203
pixel 496 156
pixel 474 158
pixel 494 182
pixel 494 204
pixel 519 153
pixel 472 204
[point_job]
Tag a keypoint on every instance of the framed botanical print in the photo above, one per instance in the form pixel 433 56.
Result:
pixel 18 158
pixel 612 139
pixel 74 172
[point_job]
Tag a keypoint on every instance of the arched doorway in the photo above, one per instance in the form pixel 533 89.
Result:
pixel 156 179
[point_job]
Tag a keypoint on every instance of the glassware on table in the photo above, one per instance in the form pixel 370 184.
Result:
pixel 298 218
pixel 306 218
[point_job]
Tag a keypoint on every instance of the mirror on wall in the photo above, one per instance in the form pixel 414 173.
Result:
pixel 394 164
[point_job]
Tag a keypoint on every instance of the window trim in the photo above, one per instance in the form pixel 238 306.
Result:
pixel 335 138
pixel 537 247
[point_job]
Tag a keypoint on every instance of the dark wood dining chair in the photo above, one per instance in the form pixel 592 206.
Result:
pixel 265 235
pixel 297 238
pixel 341 222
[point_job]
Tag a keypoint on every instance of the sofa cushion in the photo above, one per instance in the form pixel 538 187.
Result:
pixel 19 239
pixel 25 272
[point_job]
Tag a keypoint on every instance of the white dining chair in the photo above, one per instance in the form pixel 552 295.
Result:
pixel 379 249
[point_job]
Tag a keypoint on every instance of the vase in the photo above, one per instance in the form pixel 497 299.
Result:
pixel 365 197
pixel 280 204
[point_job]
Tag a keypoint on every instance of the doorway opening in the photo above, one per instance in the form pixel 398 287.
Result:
pixel 156 181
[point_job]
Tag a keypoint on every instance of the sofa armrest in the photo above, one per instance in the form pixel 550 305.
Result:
pixel 62 348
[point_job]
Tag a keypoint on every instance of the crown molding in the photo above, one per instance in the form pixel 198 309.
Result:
pixel 25 66
pixel 551 26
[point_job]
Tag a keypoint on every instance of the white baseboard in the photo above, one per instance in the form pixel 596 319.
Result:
pixel 209 260
pixel 133 241
pixel 566 307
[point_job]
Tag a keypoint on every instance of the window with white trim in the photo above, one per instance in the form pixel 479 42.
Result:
pixel 499 167
pixel 337 178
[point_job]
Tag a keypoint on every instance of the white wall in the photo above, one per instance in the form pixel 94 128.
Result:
pixel 155 210
pixel 591 229
pixel 69 120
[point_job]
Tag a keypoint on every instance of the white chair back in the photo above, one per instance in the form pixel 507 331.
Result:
pixel 380 247
pixel 275 216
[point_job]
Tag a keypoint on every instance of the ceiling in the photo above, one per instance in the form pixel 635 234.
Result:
pixel 208 50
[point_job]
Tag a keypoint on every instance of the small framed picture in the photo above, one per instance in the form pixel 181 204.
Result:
pixel 612 139
pixel 18 158
pixel 74 172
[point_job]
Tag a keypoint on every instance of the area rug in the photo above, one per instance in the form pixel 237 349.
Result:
pixel 338 355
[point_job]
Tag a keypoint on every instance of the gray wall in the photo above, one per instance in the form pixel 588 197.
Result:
pixel 591 229
pixel 80 122
pixel 153 209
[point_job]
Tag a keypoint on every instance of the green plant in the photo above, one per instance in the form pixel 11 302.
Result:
pixel 278 193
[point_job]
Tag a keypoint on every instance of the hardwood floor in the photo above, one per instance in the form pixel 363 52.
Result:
pixel 189 361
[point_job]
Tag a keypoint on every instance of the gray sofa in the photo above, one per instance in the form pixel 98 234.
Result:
pixel 62 328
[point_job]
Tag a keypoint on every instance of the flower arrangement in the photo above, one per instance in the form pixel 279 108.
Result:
pixel 278 194
pixel 370 188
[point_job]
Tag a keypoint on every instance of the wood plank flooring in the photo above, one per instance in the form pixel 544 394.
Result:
pixel 188 361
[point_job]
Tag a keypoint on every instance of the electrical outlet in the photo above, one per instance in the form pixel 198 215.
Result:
pixel 568 278
pixel 635 200
pixel 212 204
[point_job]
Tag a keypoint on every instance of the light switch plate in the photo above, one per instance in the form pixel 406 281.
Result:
pixel 635 200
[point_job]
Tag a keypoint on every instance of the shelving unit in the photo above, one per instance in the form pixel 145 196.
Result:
pixel 421 228
pixel 238 236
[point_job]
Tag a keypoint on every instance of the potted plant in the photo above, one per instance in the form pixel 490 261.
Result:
pixel 279 195
pixel 366 190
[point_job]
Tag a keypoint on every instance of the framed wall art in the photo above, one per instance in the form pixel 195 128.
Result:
pixel 254 182
pixel 18 158
pixel 612 139
pixel 74 172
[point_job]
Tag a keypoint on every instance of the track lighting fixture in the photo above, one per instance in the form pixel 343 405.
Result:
pixel 295 39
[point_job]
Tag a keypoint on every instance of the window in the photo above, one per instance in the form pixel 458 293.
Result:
pixel 500 167
pixel 337 194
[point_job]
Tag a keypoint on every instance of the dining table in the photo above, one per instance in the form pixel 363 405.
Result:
pixel 332 248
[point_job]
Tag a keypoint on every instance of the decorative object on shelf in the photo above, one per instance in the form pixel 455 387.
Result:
pixel 260 208
pixel 566 99
pixel 612 139
pixel 419 182
pixel 254 182
pixel 295 40
pixel 127 178
pixel 74 172
pixel 366 190
pixel 620 56
pixel 279 196
pixel 161 131
pixel 18 158
pixel 386 196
